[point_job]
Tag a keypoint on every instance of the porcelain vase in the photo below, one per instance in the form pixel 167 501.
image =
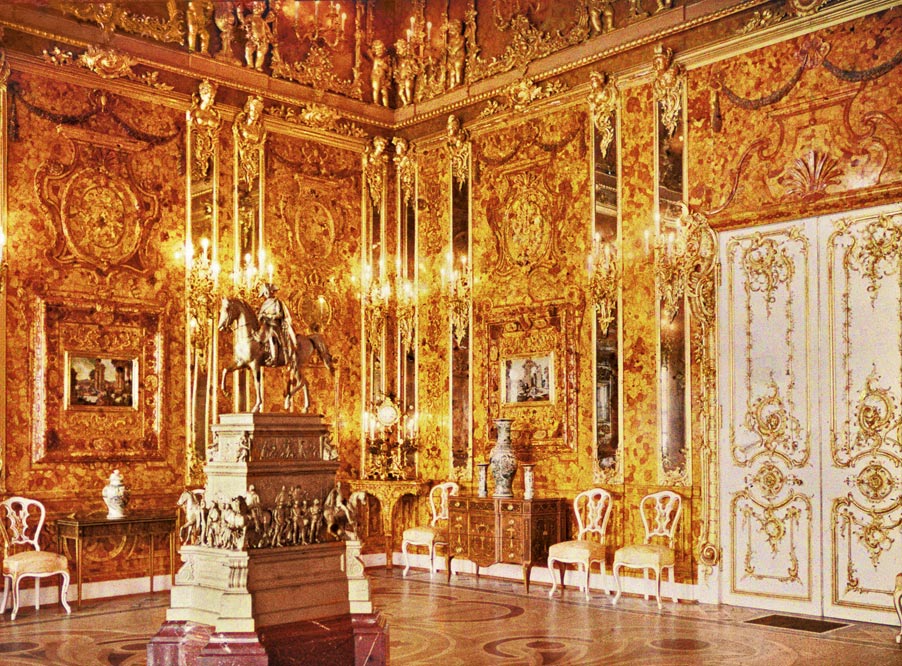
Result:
pixel 483 479
pixel 115 496
pixel 528 482
pixel 503 460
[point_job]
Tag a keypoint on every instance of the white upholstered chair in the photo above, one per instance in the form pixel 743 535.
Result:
pixel 432 534
pixel 20 526
pixel 660 516
pixel 592 509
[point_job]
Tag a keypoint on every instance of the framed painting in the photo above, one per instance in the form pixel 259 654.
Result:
pixel 99 374
pixel 96 381
pixel 527 379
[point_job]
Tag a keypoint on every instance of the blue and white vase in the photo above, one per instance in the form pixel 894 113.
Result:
pixel 503 460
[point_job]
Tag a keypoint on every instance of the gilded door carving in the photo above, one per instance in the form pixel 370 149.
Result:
pixel 861 343
pixel 770 465
pixel 811 389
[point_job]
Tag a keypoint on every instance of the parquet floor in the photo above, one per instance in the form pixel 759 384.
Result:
pixel 482 622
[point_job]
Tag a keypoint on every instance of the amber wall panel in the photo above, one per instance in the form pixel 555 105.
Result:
pixel 801 127
pixel 433 353
pixel 96 212
pixel 531 218
pixel 313 230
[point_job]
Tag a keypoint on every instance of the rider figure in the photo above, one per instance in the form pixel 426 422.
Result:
pixel 275 327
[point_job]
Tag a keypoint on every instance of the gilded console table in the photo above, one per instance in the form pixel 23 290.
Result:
pixel 490 530
pixel 388 493
pixel 98 526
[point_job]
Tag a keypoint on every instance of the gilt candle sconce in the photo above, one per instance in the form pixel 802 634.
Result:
pixel 456 286
pixel 604 280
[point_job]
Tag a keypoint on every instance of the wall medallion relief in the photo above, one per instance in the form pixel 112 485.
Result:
pixel 102 211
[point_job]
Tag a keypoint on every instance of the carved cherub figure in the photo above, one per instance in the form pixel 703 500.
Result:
pixel 259 34
pixel 457 54
pixel 197 17
pixel 382 70
pixel 205 121
pixel 406 71
pixel 601 13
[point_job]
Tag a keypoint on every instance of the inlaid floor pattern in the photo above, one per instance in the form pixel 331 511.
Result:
pixel 483 622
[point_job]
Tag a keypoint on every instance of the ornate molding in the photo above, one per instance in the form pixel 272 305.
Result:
pixel 317 116
pixel 668 87
pixel 406 167
pixel 204 121
pixel 459 151
pixel 107 64
pixel 375 170
pixel 111 16
pixel 250 137
pixel 518 96
pixel 604 98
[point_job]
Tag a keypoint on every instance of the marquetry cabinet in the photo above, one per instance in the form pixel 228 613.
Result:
pixel 518 531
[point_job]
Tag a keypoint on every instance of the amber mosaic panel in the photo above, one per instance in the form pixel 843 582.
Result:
pixel 86 166
pixel 800 127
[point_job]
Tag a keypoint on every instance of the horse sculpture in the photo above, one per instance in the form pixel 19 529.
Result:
pixel 251 354
pixel 192 504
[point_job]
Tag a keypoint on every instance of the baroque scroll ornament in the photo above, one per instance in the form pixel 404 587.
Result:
pixel 204 121
pixel 670 80
pixel 603 100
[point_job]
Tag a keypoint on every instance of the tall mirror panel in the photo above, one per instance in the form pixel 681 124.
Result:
pixel 250 266
pixel 202 274
pixel 670 253
pixel 407 283
pixel 604 276
pixel 457 282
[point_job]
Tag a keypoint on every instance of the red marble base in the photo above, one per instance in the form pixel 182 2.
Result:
pixel 358 640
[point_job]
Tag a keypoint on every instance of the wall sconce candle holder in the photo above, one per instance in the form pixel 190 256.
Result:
pixel 324 25
pixel 604 280
pixel 456 285
pixel 201 294
pixel 391 442
pixel 684 253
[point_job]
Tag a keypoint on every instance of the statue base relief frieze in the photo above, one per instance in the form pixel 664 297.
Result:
pixel 271 573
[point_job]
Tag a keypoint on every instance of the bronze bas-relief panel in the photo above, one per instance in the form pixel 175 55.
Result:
pixel 79 329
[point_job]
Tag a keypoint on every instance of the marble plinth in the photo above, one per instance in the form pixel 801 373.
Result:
pixel 284 599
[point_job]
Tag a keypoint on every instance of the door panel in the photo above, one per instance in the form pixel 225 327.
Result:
pixel 810 375
pixel 769 466
pixel 862 464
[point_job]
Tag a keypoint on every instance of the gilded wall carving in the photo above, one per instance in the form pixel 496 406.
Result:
pixel 541 430
pixel 108 174
pixel 313 237
pixel 71 430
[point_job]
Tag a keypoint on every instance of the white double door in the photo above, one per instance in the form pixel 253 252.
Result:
pixel 810 385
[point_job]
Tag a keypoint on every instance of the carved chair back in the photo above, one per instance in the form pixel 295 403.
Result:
pixel 24 519
pixel 438 500
pixel 661 515
pixel 592 509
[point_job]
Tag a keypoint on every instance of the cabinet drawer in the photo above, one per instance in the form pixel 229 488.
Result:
pixel 513 548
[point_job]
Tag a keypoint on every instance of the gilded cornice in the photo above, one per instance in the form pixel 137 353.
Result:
pixel 660 26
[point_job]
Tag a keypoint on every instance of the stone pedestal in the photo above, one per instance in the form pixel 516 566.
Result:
pixel 269 586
